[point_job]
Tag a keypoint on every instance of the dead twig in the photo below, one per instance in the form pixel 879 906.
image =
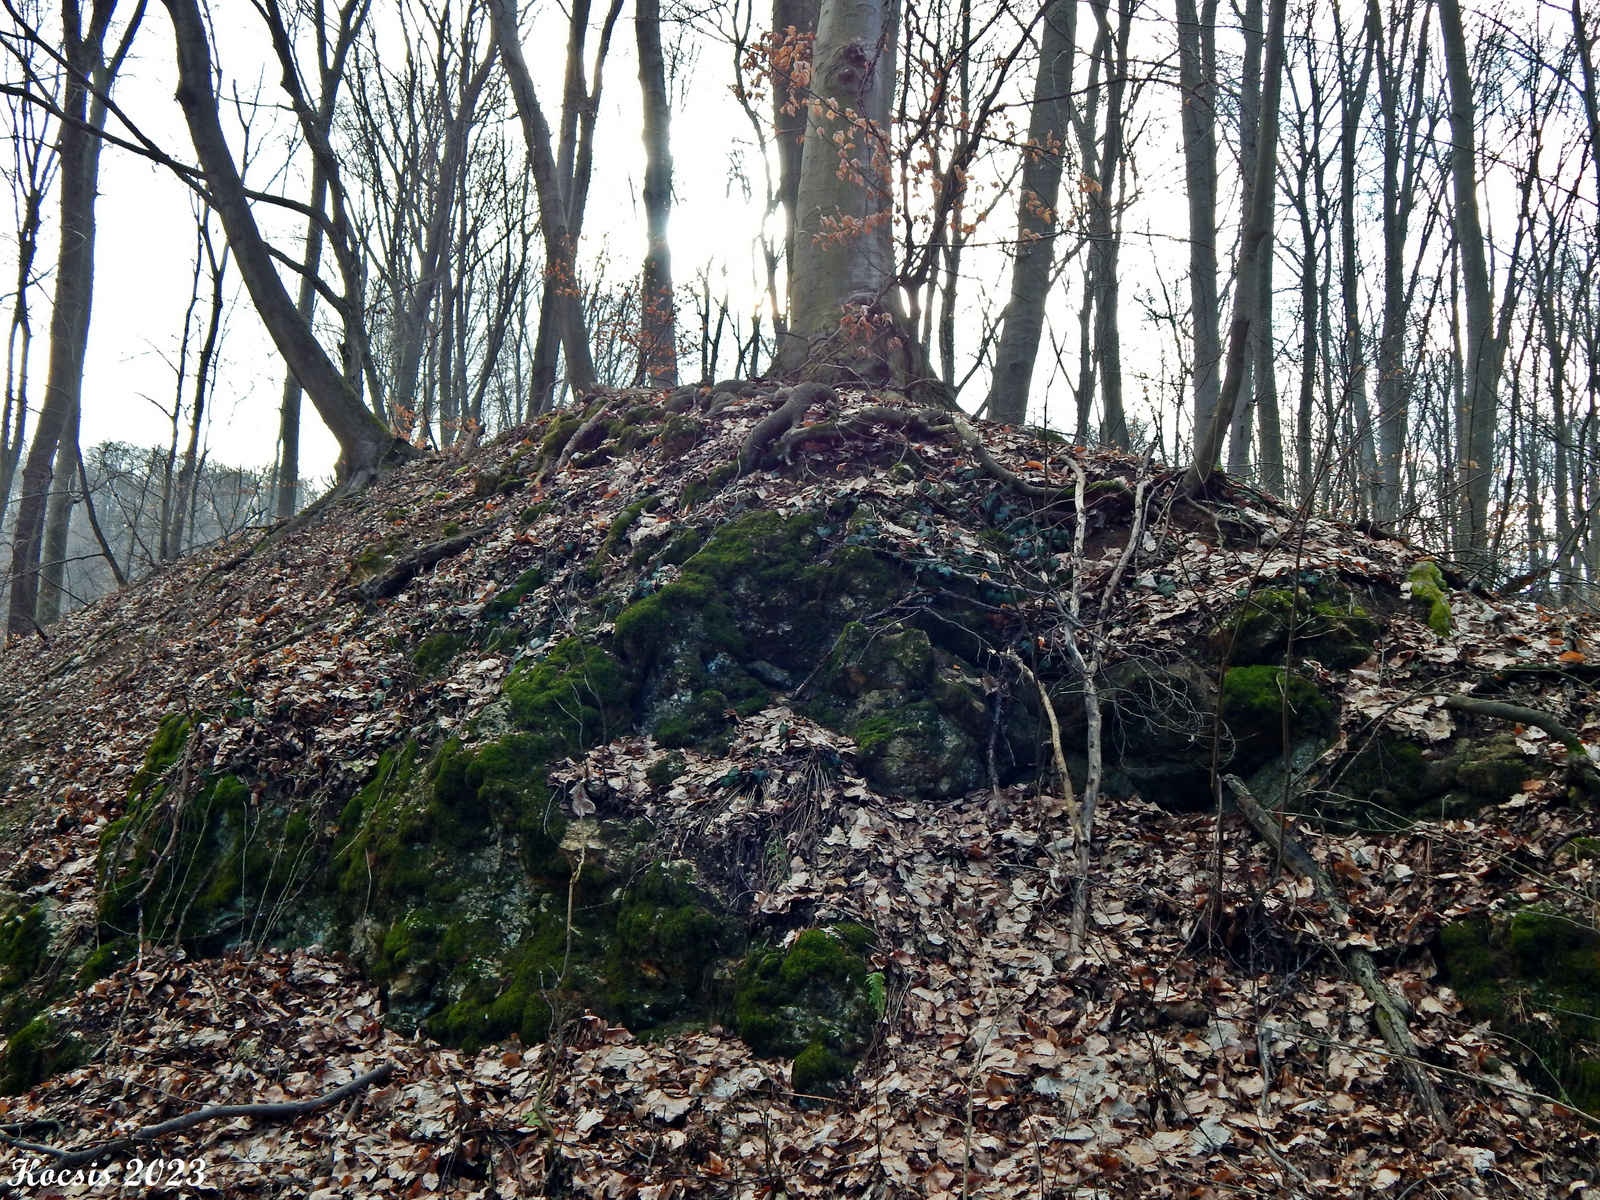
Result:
pixel 1389 1012
pixel 285 1111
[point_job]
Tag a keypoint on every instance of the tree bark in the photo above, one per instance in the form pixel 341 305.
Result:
pixel 842 322
pixel 659 323
pixel 287 499
pixel 1241 427
pixel 365 443
pixel 563 302
pixel 1197 77
pixel 1353 100
pixel 78 151
pixel 1102 227
pixel 1483 353
pixel 1022 324
pixel 791 78
pixel 1256 242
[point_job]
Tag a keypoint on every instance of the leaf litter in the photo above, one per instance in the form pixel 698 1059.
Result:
pixel 1201 1041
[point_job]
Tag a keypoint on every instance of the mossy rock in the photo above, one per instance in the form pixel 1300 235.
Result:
pixel 436 652
pixel 1338 634
pixel 679 435
pixel 1428 589
pixel 1535 976
pixel 205 869
pixel 812 1003
pixel 34 1053
pixel 762 589
pixel 916 750
pixel 1255 704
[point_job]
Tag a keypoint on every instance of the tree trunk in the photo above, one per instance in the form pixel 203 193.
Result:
pixel 1240 429
pixel 1353 97
pixel 659 324
pixel 365 443
pixel 288 494
pixel 1256 242
pixel 1107 336
pixel 1022 324
pixel 57 525
pixel 842 322
pixel 561 313
pixel 78 151
pixel 791 77
pixel 1481 364
pixel 1197 76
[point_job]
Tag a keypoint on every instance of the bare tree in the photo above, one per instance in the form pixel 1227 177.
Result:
pixel 366 444
pixel 1038 217
pixel 88 74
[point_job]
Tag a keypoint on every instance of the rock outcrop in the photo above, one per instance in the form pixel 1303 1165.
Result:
pixel 668 721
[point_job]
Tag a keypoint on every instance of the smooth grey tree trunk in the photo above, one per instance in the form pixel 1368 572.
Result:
pixel 1197 76
pixel 1242 426
pixel 1352 102
pixel 1107 233
pixel 1399 188
pixel 789 105
pixel 287 499
pixel 841 318
pixel 1256 242
pixel 1038 222
pixel 561 314
pixel 1482 353
pixel 659 324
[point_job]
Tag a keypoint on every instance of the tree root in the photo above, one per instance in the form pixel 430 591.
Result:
pixel 404 570
pixel 780 421
pixel 1389 1011
pixel 575 443
pixel 1579 766
pixel 286 1111
pixel 926 422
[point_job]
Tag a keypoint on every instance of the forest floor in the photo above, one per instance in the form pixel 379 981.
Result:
pixel 1200 1038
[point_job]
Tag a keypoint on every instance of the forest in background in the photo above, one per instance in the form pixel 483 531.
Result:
pixel 1346 253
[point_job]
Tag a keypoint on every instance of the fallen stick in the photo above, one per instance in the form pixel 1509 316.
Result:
pixel 1389 1012
pixel 285 1111
pixel 1578 763
pixel 404 570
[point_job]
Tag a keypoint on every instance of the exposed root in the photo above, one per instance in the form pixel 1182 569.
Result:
pixel 781 420
pixel 403 571
pixel 1579 765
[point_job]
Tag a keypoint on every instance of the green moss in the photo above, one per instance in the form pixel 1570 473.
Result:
pixel 34 1053
pixel 698 490
pixel 199 871
pixel 665 770
pixel 1535 975
pixel 437 651
pixel 1340 635
pixel 680 433
pixel 575 696
pixel 165 747
pixel 555 441
pixel 505 602
pixel 1427 587
pixel 1254 700
pixel 618 530
pixel 811 1003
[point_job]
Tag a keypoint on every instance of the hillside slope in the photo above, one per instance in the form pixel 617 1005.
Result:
pixel 681 831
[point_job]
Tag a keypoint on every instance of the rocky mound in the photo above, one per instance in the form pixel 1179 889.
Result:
pixel 728 792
